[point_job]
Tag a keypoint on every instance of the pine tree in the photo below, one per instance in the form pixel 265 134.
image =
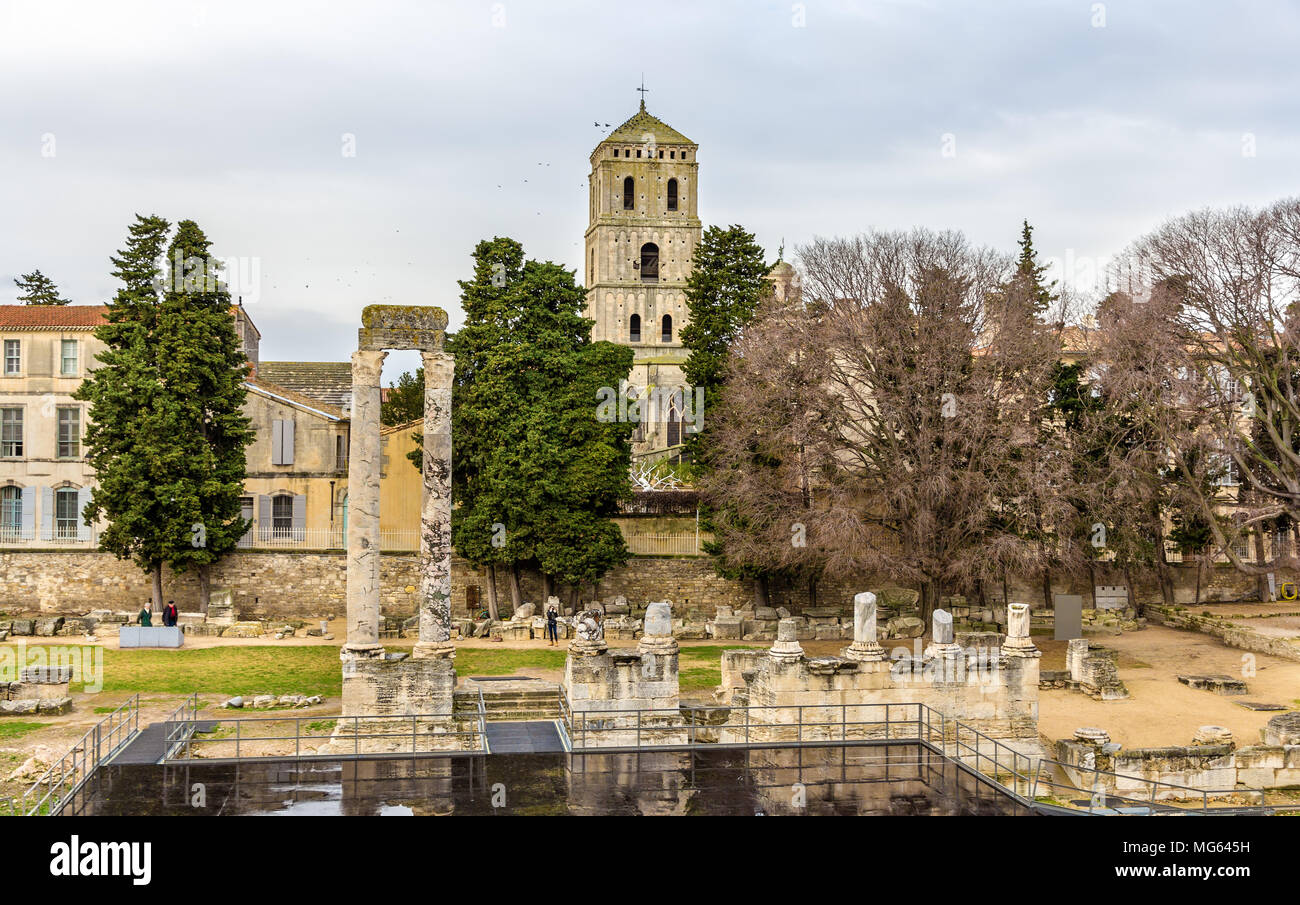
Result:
pixel 1032 273
pixel 167 433
pixel 38 289
pixel 537 474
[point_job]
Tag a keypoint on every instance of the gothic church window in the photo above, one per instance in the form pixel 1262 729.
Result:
pixel 629 193
pixel 634 329
pixel 668 328
pixel 672 194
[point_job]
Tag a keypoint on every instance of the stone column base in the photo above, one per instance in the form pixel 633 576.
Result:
pixel 864 652
pixel 434 650
pixel 361 651
pixel 588 648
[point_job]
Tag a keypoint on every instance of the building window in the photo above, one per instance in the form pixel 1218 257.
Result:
pixel 683 155
pixel 11 432
pixel 634 329
pixel 672 155
pixel 68 358
pixel 649 263
pixel 661 154
pixel 638 152
pixel 66 517
pixel 282 516
pixel 13 357
pixel 672 194
pixel 11 511
pixel 629 193
pixel 668 328
pixel 69 432
pixel 341 453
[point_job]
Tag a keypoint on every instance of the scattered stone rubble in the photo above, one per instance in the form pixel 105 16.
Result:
pixel 269 701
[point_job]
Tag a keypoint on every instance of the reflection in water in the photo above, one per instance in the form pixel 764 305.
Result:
pixel 885 779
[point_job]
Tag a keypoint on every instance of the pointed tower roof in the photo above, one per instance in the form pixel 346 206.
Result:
pixel 643 124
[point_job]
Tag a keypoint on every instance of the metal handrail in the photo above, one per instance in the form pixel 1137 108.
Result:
pixel 66 776
pixel 185 741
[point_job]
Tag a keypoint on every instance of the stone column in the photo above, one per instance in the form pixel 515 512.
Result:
pixel 1018 642
pixel 435 518
pixel 657 636
pixel 786 647
pixel 864 647
pixel 363 508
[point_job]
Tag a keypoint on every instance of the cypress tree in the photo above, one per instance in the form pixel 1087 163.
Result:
pixel 167 432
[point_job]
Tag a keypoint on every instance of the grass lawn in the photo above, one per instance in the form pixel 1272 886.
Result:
pixel 278 670
pixel 12 729
pixel 271 669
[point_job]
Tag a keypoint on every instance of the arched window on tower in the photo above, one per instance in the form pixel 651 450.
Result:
pixel 629 193
pixel 672 194
pixel 649 263
pixel 668 328
pixel 634 329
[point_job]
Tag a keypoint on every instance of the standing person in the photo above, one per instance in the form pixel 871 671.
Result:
pixel 146 617
pixel 552 631
pixel 170 616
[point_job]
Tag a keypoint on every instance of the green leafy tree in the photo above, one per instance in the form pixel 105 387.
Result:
pixel 38 289
pixel 537 474
pixel 167 435
pixel 405 401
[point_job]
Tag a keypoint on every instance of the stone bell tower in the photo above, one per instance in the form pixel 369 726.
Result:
pixel 643 227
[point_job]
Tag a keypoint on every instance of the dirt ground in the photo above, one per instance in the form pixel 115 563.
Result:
pixel 1160 710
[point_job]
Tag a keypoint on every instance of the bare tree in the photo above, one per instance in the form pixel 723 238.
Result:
pixel 928 445
pixel 1236 273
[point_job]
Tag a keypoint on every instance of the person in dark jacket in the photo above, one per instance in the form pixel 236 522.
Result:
pixel 170 616
pixel 146 616
pixel 552 631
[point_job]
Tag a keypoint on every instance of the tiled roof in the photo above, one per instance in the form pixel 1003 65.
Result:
pixel 329 382
pixel 297 398
pixel 52 317
pixel 642 126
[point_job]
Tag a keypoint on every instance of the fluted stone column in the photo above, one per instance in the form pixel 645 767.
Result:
pixel 435 519
pixel 363 507
pixel 864 648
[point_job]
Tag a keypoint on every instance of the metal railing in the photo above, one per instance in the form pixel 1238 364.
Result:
pixel 679 544
pixel 67 775
pixel 1031 779
pixel 272 738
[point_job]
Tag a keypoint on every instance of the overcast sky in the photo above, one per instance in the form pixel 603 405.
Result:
pixel 473 119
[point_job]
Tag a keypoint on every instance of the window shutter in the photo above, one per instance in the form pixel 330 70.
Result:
pixel 29 512
pixel 264 516
pixel 277 442
pixel 286 444
pixel 299 515
pixel 47 513
pixel 83 527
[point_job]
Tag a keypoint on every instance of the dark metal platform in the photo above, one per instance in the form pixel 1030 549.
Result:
pixel 532 737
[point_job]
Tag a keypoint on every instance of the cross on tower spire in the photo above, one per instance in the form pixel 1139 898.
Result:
pixel 643 89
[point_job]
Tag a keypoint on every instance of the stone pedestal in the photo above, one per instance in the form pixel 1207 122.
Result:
pixel 786 646
pixel 865 648
pixel 1018 642
pixel 377 686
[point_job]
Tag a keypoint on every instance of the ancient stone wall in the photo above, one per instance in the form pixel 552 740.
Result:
pixel 280 584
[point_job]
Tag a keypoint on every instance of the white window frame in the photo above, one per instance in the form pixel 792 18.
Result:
pixel 63 358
